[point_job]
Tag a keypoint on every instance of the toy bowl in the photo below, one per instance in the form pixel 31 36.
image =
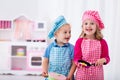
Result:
pixel 56 76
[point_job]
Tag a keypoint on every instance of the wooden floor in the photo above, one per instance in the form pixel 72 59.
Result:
pixel 20 77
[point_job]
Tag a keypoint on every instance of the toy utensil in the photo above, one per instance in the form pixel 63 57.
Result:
pixel 85 63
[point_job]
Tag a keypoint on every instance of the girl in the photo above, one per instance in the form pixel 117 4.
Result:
pixel 91 47
pixel 59 54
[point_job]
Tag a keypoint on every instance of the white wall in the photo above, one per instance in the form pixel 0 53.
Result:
pixel 33 9
pixel 14 8
pixel 48 10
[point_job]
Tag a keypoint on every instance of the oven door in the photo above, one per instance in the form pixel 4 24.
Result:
pixel 34 60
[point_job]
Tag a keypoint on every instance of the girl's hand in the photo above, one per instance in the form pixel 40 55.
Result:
pixel 100 62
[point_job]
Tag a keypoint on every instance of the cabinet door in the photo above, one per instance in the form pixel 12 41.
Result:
pixel 4 56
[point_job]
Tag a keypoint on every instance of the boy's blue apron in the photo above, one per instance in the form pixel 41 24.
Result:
pixel 60 60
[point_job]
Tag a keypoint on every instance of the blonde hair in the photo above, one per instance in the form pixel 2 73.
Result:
pixel 98 34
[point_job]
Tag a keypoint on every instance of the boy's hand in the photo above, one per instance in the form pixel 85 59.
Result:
pixel 68 79
pixel 44 74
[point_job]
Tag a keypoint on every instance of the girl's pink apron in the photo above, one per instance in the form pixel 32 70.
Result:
pixel 91 51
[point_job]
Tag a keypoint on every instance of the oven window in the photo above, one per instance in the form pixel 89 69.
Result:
pixel 36 61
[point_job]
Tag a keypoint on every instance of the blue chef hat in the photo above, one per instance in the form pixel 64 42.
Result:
pixel 59 22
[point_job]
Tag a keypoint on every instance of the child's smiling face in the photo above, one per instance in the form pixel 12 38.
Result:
pixel 63 35
pixel 89 27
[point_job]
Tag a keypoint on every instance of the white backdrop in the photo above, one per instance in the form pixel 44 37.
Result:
pixel 110 14
pixel 48 10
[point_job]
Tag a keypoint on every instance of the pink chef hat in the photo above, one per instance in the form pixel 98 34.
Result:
pixel 93 15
